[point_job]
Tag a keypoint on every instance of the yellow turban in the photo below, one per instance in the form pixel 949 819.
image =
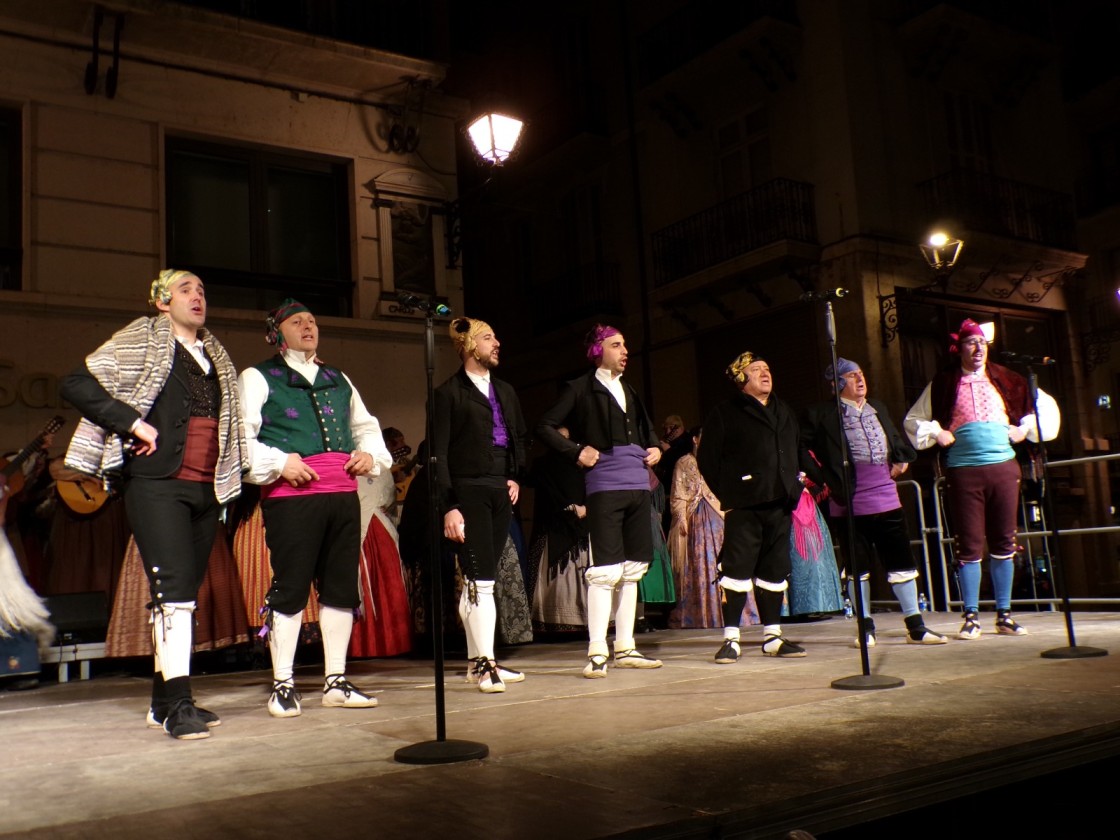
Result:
pixel 161 286
pixel 737 370
pixel 465 331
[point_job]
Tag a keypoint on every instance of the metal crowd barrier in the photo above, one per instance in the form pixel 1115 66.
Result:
pixel 1032 512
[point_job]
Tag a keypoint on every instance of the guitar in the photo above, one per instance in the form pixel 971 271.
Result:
pixel 10 470
pixel 82 495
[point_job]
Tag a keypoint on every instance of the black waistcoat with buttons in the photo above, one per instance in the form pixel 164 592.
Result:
pixel 187 391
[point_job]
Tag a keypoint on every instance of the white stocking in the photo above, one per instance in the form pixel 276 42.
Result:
pixel 283 641
pixel 624 616
pixel 480 620
pixel 336 626
pixel 173 633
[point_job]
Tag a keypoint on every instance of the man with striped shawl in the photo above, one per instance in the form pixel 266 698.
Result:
pixel 160 410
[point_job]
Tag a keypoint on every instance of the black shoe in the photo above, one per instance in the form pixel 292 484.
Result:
pixel 729 653
pixel 596 667
pixel 156 716
pixel 777 646
pixel 183 722
pixel 340 693
pixel 970 629
pixel 284 701
pixel 489 680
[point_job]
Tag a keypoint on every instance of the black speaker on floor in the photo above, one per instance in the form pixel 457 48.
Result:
pixel 81 617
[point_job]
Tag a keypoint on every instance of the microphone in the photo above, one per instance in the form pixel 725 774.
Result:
pixel 827 294
pixel 1023 359
pixel 411 300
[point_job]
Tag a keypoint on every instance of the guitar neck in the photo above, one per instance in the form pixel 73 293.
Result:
pixel 31 448
pixel 21 456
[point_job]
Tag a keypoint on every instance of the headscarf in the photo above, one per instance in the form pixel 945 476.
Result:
pixel 465 332
pixel 843 366
pixel 968 329
pixel 161 286
pixel 594 341
pixel 737 370
pixel 278 316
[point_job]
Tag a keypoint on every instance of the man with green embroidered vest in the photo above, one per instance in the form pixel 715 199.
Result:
pixel 310 437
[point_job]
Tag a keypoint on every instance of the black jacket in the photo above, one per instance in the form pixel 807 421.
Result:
pixel 170 416
pixel 463 429
pixel 820 433
pixel 749 453
pixel 585 408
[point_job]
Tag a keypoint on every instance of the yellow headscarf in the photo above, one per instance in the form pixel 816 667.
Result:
pixel 737 370
pixel 465 332
pixel 161 286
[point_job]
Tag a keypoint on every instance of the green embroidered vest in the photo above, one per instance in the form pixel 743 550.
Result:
pixel 304 418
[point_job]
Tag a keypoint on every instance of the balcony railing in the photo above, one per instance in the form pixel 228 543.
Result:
pixel 987 204
pixel 777 210
pixel 591 289
pixel 697 27
pixel 1031 16
pixel 1099 192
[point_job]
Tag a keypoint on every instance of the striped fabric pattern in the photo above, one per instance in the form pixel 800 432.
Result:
pixel 133 366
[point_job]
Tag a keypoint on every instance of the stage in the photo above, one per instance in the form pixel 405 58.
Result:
pixel 693 749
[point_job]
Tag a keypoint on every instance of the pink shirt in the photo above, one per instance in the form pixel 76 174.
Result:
pixel 978 401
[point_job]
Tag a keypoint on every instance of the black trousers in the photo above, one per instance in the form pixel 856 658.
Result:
pixel 174 523
pixel 486 513
pixel 756 544
pixel 620 525
pixel 313 539
pixel 884 533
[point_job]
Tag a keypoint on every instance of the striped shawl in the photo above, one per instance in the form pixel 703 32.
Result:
pixel 133 366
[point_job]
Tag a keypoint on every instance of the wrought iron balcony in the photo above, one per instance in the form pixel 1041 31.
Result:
pixel 1001 207
pixel 1034 17
pixel 587 290
pixel 777 210
pixel 696 27
pixel 1098 192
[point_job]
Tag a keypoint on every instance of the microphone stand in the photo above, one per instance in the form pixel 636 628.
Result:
pixel 1072 651
pixel 441 750
pixel 864 681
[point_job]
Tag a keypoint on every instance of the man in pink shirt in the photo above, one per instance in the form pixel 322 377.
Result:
pixel 977 413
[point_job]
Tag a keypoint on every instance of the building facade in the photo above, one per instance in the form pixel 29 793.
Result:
pixel 725 158
pixel 140 135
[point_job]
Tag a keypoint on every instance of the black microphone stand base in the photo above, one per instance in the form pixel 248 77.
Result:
pixel 441 752
pixel 867 682
pixel 1074 652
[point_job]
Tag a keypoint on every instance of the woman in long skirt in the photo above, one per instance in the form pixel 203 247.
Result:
pixel 694 543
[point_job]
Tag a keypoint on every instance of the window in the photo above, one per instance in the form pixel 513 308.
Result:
pixel 743 151
pixel 414 253
pixel 259 225
pixel 11 200
pixel 969 126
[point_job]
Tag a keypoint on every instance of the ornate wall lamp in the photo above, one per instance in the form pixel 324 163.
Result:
pixel 495 138
pixel 941 252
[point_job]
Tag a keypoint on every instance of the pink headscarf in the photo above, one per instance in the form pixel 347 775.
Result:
pixel 968 329
pixel 595 339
